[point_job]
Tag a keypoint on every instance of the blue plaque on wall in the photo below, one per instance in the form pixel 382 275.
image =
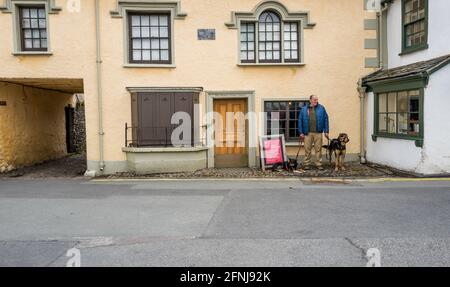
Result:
pixel 206 34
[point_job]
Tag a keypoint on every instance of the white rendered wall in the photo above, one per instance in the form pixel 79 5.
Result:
pixel 436 154
pixel 400 154
pixel 438 33
pixel 434 157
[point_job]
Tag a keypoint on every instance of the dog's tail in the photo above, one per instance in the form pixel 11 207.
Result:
pixel 326 146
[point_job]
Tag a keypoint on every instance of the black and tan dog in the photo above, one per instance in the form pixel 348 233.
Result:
pixel 338 147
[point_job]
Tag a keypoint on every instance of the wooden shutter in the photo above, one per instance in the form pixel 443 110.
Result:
pixel 152 114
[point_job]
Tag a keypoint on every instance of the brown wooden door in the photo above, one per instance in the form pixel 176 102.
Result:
pixel 231 149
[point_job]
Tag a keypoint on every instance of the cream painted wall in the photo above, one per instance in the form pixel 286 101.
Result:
pixel 334 57
pixel 334 61
pixel 32 125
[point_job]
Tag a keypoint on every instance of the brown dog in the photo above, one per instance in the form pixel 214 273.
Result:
pixel 338 147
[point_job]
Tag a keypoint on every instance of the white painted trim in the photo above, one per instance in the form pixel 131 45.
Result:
pixel 252 135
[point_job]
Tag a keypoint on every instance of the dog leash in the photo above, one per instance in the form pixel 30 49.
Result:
pixel 326 154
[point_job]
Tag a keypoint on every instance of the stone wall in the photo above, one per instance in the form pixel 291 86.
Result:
pixel 79 128
pixel 32 125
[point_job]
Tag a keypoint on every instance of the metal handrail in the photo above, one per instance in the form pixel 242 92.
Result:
pixel 136 131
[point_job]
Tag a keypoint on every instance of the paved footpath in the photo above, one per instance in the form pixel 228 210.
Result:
pixel 224 222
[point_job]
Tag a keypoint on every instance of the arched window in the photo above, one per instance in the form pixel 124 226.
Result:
pixel 269 37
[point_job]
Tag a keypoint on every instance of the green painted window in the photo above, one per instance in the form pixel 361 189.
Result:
pixel 415 25
pixel 399 114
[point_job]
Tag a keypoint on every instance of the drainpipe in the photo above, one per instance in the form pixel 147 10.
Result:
pixel 384 7
pixel 362 96
pixel 101 132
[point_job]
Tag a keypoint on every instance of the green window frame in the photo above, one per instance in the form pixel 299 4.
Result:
pixel 414 25
pixel 401 111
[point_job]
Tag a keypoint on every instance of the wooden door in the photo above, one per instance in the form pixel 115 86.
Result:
pixel 230 135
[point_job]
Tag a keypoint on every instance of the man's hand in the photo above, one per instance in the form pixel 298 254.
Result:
pixel 327 135
pixel 302 137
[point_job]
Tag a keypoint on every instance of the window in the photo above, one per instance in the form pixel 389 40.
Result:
pixel 248 42
pixel 399 113
pixel 415 20
pixel 277 40
pixel 269 38
pixel 287 112
pixel 33 28
pixel 149 38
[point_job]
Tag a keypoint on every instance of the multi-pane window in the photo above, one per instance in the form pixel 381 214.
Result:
pixel 282 118
pixel 270 40
pixel 399 113
pixel 248 42
pixel 149 38
pixel 291 51
pixel 33 28
pixel 414 21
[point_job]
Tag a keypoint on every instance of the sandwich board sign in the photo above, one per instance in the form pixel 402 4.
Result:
pixel 272 150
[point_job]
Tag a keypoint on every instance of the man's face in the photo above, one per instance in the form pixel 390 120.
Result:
pixel 314 101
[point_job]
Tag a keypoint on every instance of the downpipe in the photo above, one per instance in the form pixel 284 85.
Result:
pixel 101 132
pixel 362 97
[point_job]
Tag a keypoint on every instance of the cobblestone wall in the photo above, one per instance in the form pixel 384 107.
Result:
pixel 79 128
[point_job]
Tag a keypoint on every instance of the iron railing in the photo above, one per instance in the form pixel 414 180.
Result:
pixel 136 136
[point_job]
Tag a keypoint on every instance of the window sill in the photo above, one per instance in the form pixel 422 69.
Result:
pixel 170 66
pixel 418 141
pixel 163 149
pixel 269 64
pixel 410 50
pixel 24 53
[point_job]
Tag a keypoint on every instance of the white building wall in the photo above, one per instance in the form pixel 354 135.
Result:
pixel 436 153
pixel 434 157
pixel 397 153
pixel 438 33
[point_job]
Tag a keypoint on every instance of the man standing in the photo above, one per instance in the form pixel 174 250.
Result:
pixel 312 122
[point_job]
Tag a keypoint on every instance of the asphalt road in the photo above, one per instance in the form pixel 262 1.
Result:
pixel 224 222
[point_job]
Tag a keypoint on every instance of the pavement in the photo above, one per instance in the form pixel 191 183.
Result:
pixel 225 222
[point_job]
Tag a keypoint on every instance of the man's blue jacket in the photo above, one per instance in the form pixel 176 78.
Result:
pixel 321 120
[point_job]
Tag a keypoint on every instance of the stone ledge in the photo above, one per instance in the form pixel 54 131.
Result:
pixel 162 149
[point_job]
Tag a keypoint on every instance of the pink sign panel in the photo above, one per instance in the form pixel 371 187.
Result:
pixel 273 151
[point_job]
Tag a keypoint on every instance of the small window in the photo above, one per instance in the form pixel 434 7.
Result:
pixel 33 28
pixel 414 24
pixel 399 113
pixel 149 38
pixel 287 113
pixel 248 42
